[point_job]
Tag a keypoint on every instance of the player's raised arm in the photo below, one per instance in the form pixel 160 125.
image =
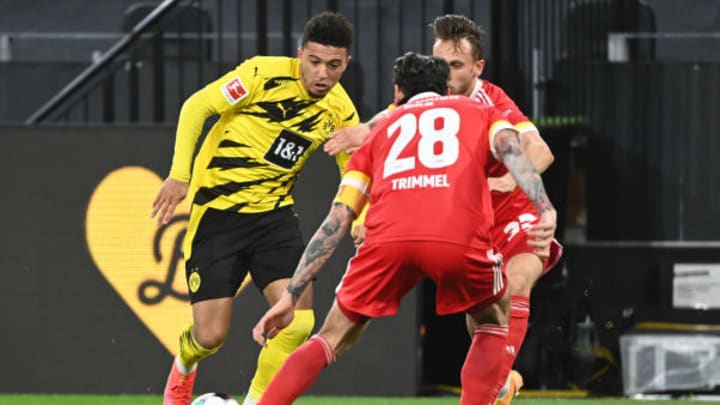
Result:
pixel 537 151
pixel 509 151
pixel 348 139
pixel 536 148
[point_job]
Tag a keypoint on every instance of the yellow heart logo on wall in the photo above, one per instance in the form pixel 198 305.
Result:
pixel 140 259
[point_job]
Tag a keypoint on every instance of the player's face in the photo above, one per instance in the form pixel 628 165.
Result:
pixel 321 67
pixel 464 69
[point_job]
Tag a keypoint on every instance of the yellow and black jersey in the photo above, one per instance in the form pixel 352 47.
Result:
pixel 268 127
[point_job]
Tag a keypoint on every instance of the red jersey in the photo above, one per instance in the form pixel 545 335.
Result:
pixel 507 205
pixel 427 163
pixel 515 215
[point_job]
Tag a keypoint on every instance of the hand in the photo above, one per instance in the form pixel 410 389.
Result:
pixel 170 195
pixel 346 139
pixel 541 235
pixel 503 184
pixel 358 234
pixel 275 319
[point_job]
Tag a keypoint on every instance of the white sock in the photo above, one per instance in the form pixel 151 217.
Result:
pixel 249 401
pixel 182 368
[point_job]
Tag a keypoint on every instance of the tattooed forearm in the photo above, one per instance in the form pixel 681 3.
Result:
pixel 320 248
pixel 537 150
pixel 526 176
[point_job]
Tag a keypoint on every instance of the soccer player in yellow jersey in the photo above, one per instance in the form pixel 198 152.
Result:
pixel 274 112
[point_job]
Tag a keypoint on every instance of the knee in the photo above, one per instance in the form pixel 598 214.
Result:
pixel 522 273
pixel 209 337
pixel 519 283
pixel 298 331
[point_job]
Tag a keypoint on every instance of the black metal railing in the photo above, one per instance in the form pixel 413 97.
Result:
pixel 175 47
pixel 540 52
pixel 168 50
pixel 100 73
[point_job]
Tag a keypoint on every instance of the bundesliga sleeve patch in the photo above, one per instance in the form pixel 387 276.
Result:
pixel 234 90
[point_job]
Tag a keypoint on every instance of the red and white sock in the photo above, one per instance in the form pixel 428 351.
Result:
pixel 299 372
pixel 483 365
pixel 519 315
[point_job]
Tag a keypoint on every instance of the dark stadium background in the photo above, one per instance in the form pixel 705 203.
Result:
pixel 634 130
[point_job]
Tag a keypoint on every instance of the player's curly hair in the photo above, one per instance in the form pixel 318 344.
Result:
pixel 453 27
pixel 415 73
pixel 330 29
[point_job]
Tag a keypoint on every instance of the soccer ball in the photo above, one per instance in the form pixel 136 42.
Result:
pixel 214 398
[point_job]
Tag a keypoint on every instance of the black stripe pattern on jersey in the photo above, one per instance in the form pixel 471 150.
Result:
pixel 206 194
pixel 282 110
pixel 308 124
pixel 226 143
pixel 226 163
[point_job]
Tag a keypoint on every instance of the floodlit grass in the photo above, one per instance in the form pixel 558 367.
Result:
pixel 25 399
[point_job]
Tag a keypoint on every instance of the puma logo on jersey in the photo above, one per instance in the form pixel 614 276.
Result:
pixel 283 110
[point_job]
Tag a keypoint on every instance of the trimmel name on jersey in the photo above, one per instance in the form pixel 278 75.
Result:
pixel 422 180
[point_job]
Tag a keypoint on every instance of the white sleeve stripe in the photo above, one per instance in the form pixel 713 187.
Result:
pixel 356 183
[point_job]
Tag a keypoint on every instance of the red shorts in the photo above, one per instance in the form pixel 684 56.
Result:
pixel 380 275
pixel 510 238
